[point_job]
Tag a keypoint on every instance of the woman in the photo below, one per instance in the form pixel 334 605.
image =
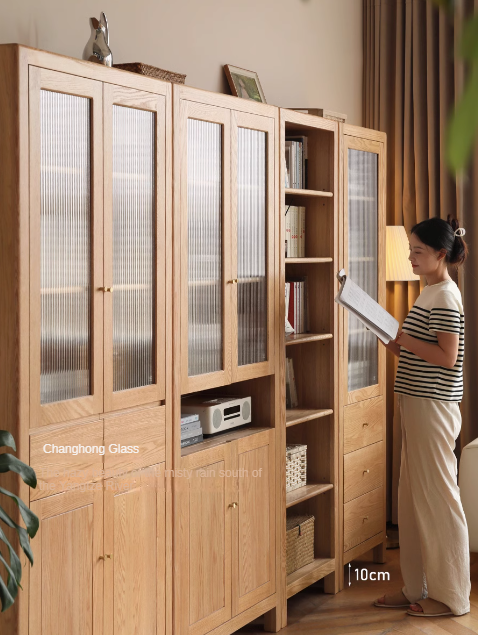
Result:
pixel 434 549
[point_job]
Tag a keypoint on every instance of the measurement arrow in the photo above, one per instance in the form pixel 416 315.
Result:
pixel 349 575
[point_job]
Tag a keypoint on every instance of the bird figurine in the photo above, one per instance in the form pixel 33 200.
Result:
pixel 97 48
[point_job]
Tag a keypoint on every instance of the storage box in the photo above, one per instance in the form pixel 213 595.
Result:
pixel 299 542
pixel 295 466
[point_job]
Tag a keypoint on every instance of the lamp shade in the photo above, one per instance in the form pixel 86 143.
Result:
pixel 399 267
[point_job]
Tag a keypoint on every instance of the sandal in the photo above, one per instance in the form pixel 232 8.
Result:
pixel 431 608
pixel 397 600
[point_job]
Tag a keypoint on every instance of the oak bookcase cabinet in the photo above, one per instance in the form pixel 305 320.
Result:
pixel 141 250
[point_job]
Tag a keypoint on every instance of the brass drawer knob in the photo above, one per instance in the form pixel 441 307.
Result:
pixel 233 505
pixel 107 556
pixel 366 471
pixel 107 289
pixel 232 281
pixel 365 425
pixel 365 518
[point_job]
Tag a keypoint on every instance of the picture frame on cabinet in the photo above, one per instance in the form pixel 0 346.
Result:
pixel 244 83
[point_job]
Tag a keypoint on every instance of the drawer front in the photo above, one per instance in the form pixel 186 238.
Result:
pixel 135 439
pixel 363 518
pixel 363 423
pixel 363 470
pixel 59 471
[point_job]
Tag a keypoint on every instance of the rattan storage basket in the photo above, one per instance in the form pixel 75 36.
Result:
pixel 299 542
pixel 295 466
pixel 152 71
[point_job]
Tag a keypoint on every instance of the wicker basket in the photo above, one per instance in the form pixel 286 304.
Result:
pixel 152 71
pixel 295 466
pixel 299 542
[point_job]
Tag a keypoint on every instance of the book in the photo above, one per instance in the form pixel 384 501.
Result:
pixel 288 326
pixel 299 147
pixel 301 232
pixel 191 440
pixel 366 309
pixel 287 231
pixel 191 433
pixel 293 388
pixel 297 308
pixel 189 418
pixel 193 425
pixel 287 385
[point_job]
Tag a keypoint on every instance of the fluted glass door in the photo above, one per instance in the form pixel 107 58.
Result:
pixel 362 218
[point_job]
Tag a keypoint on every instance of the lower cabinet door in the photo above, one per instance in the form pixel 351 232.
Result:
pixel 253 560
pixel 66 580
pixel 134 553
pixel 203 496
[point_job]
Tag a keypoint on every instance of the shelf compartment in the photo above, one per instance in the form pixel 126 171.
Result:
pixel 307 575
pixel 301 338
pixel 299 415
pixel 289 261
pixel 220 438
pixel 305 492
pixel 300 192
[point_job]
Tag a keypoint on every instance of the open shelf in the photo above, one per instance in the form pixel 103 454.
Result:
pixel 300 338
pixel 220 438
pixel 299 192
pixel 299 415
pixel 307 575
pixel 305 492
pixel 306 260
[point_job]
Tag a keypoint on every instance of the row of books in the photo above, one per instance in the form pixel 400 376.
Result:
pixel 294 231
pixel 291 400
pixel 296 304
pixel 191 431
pixel 296 162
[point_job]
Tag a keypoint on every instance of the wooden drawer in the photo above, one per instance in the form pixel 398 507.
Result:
pixel 363 518
pixel 58 472
pixel 363 470
pixel 143 430
pixel 363 423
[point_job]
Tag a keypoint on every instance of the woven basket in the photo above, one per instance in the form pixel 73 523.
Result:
pixel 299 542
pixel 152 71
pixel 295 466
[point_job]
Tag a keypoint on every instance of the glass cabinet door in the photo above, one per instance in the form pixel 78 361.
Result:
pixel 134 235
pixel 65 264
pixel 363 259
pixel 252 205
pixel 205 279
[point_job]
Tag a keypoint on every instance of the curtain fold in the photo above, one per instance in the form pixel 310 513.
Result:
pixel 412 78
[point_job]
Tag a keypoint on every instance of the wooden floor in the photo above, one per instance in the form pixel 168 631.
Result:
pixel 352 612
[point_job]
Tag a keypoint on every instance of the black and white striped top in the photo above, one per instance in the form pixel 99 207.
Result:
pixel 439 307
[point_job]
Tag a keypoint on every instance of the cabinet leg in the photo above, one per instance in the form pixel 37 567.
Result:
pixel 331 583
pixel 272 622
pixel 379 553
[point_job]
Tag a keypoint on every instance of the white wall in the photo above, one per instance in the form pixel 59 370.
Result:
pixel 306 52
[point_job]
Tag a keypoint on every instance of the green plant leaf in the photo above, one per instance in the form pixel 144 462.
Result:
pixel 468 46
pixel 15 563
pixel 5 597
pixel 12 582
pixel 10 463
pixel 7 440
pixel 29 518
pixel 463 124
pixel 22 534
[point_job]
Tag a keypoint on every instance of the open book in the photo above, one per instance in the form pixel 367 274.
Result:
pixel 375 317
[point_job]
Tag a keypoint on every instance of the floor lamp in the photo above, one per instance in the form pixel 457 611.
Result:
pixel 398 269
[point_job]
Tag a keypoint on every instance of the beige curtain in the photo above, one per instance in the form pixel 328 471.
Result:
pixel 411 81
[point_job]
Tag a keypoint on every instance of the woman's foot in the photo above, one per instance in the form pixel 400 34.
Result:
pixel 429 608
pixel 392 601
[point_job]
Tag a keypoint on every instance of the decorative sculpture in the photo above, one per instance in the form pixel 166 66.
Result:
pixel 97 49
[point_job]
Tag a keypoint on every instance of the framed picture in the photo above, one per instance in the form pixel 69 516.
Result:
pixel 244 83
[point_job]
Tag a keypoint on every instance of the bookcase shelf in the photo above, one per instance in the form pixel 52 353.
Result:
pixel 307 491
pixel 299 415
pixel 299 192
pixel 303 338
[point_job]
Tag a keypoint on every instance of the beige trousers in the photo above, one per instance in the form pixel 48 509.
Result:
pixel 434 547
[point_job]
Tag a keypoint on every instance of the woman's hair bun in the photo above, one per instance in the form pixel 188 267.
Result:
pixel 459 250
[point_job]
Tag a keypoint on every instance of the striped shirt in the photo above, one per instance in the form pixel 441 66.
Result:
pixel 439 307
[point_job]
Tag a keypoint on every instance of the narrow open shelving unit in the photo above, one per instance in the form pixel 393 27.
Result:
pixel 314 353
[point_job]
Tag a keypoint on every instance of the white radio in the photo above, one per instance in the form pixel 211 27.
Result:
pixel 218 413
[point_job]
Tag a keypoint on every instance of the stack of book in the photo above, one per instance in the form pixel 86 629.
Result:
pixel 191 431
pixel 296 304
pixel 296 162
pixel 291 400
pixel 294 231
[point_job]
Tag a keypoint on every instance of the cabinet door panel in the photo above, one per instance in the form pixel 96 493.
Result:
pixel 203 545
pixel 364 257
pixel 204 148
pixel 253 573
pixel 66 582
pixel 252 244
pixel 134 233
pixel 66 224
pixel 135 539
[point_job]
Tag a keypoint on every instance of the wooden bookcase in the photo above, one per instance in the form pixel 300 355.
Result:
pixel 314 354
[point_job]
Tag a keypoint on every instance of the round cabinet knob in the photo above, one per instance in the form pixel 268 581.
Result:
pixel 365 518
pixel 365 425
pixel 232 281
pixel 366 471
pixel 107 289
pixel 107 556
pixel 233 505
